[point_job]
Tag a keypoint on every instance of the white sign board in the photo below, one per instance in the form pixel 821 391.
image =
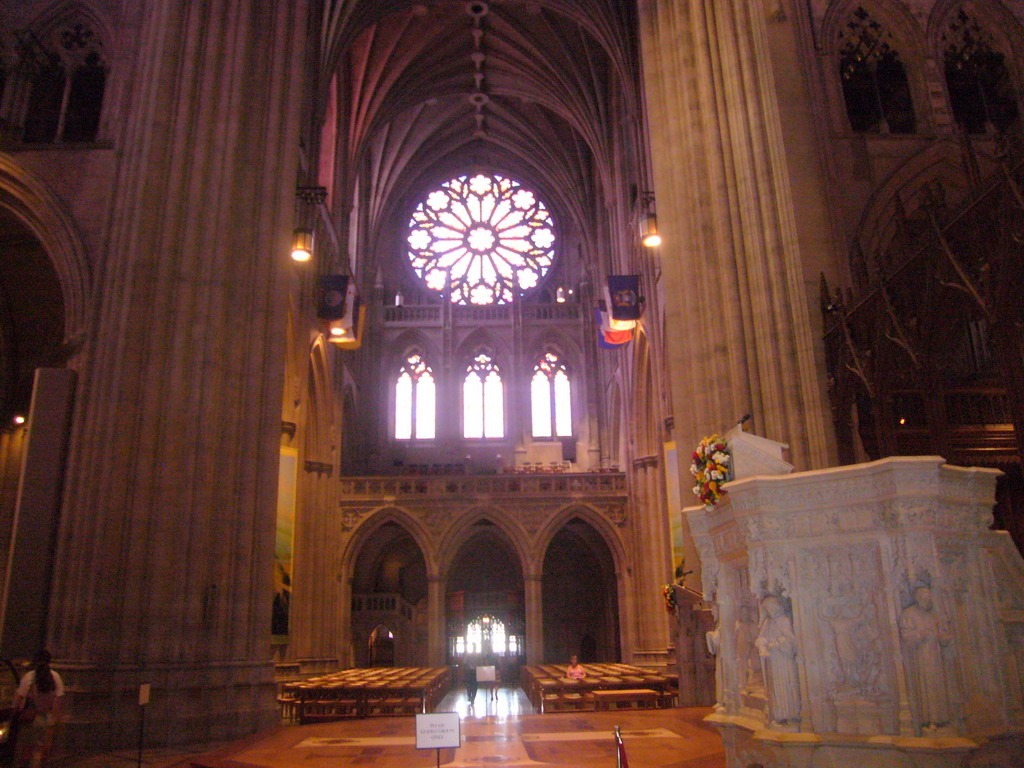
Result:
pixel 486 675
pixel 438 730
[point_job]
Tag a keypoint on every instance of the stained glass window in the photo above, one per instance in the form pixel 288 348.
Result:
pixel 550 398
pixel 980 91
pixel 414 400
pixel 481 239
pixel 483 409
pixel 875 84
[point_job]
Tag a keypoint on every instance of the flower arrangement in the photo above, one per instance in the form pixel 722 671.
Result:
pixel 710 468
pixel 669 596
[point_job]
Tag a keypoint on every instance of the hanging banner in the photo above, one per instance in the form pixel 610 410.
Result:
pixel 624 301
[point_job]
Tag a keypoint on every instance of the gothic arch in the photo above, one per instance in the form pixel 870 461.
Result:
pixel 902 191
pixel 405 342
pixel 993 16
pixel 542 539
pixel 400 517
pixel 895 15
pixel 645 405
pixel 321 414
pixel 566 346
pixel 480 338
pixel 31 201
pixel 68 11
pixel 456 536
pixel 909 35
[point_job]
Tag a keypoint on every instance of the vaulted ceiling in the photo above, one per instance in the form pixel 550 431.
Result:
pixel 546 91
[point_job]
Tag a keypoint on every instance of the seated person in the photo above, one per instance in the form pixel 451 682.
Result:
pixel 575 670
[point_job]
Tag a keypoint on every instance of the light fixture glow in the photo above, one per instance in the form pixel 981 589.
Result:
pixel 649 231
pixel 19 419
pixel 302 245
pixel 560 295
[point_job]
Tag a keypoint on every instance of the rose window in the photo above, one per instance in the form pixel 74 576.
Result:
pixel 482 239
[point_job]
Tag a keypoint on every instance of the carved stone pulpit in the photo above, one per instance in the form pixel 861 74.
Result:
pixel 867 615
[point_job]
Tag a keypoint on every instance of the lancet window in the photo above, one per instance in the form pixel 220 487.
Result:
pixel 550 396
pixel 481 239
pixel 67 79
pixel 415 400
pixel 980 91
pixel 483 398
pixel 874 80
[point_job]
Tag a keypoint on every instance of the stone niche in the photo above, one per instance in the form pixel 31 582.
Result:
pixel 867 615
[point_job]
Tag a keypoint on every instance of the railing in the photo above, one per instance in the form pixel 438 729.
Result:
pixel 423 314
pixel 491 313
pixel 381 602
pixel 430 314
pixel 584 484
pixel 552 312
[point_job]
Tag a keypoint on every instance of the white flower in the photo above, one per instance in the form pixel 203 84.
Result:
pixel 696 490
pixel 693 469
pixel 720 458
pixel 716 475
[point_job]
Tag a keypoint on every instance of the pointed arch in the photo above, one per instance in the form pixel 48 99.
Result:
pixel 882 87
pixel 463 531
pixel 377 519
pixel 905 189
pixel 32 202
pixel 589 515
pixel 977 47
pixel 321 413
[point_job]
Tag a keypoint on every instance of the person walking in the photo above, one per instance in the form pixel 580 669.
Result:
pixel 38 703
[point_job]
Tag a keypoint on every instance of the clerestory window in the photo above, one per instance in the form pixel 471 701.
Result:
pixel 415 400
pixel 875 85
pixel 66 84
pixel 483 399
pixel 550 396
pixel 980 91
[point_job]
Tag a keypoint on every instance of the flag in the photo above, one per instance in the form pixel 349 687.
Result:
pixel 623 296
pixel 332 293
pixel 608 337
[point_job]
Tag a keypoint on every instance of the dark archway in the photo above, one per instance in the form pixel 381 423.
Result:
pixel 485 581
pixel 389 589
pixel 579 597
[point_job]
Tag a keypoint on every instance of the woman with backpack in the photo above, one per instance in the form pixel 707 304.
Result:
pixel 37 703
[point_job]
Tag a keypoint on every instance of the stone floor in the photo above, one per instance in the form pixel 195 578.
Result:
pixel 500 731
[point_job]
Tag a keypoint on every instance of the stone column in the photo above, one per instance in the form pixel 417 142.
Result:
pixel 164 562
pixel 436 652
pixel 653 564
pixel 735 284
pixel 534 619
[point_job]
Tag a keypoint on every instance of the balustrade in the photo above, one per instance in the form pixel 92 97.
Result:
pixel 590 483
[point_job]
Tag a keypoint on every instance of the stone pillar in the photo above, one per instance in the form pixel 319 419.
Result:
pixel 436 652
pixel 653 564
pixel 320 612
pixel 867 613
pixel 534 619
pixel 734 274
pixel 163 571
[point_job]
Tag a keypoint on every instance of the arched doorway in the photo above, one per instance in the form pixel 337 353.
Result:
pixel 389 600
pixel 485 617
pixel 32 331
pixel 579 597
